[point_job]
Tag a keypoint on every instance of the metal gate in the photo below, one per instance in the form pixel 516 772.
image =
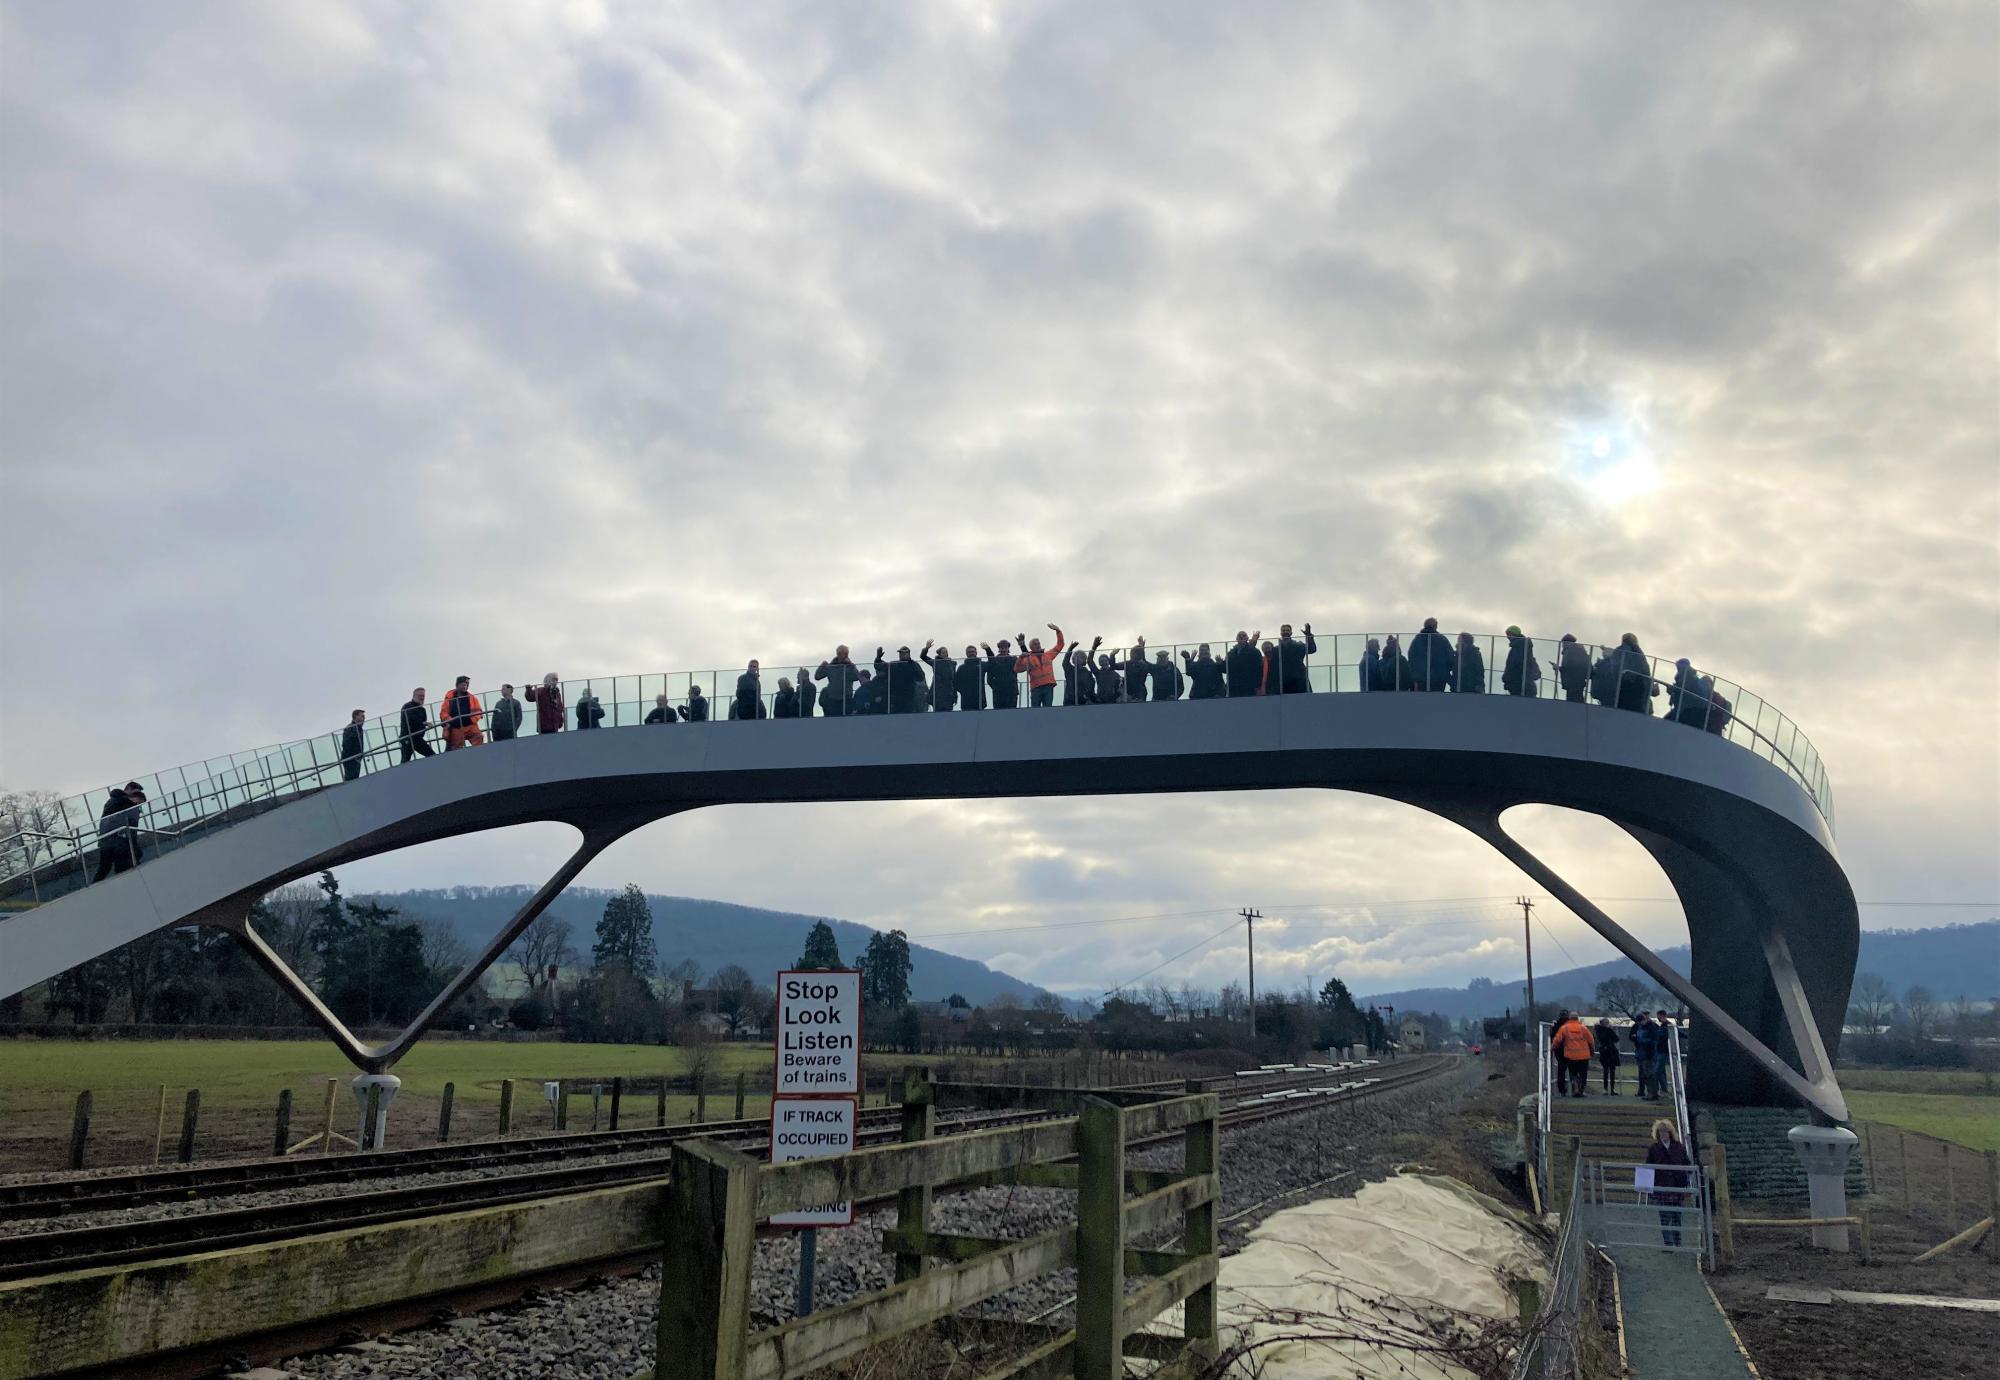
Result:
pixel 1649 1207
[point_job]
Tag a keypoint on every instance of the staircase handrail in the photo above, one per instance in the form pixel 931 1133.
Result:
pixel 1677 1078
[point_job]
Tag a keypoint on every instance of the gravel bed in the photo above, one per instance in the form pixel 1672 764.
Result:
pixel 606 1331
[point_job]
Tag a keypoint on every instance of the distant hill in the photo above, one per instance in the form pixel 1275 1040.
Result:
pixel 1951 960
pixel 712 933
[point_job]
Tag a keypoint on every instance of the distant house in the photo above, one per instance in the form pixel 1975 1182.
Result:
pixel 942 1010
pixel 1411 1035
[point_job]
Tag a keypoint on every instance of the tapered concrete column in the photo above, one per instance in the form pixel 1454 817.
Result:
pixel 389 1084
pixel 1824 1151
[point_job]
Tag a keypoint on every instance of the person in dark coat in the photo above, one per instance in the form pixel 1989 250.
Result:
pixel 1522 674
pixel 1205 675
pixel 1110 688
pixel 1294 678
pixel 785 704
pixel 1079 685
pixel 841 675
pixel 1003 675
pixel 548 702
pixel 1645 1041
pixel 1392 669
pixel 413 724
pixel 1607 1053
pixel 1168 682
pixel 1432 660
pixel 868 694
pixel 970 681
pixel 503 720
pixel 1368 668
pixel 1138 674
pixel 1686 704
pixel 118 830
pixel 1244 665
pixel 353 745
pixel 1268 684
pixel 903 680
pixel 1636 690
pixel 589 713
pixel 748 701
pixel 1718 708
pixel 1469 675
pixel 695 711
pixel 1670 1164
pixel 944 694
pixel 662 712
pixel 1573 668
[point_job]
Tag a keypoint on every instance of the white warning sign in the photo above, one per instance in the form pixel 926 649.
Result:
pixel 819 1033
pixel 808 1128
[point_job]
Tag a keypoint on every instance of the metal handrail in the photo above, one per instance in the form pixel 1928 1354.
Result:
pixel 1544 1068
pixel 191 799
pixel 1677 1075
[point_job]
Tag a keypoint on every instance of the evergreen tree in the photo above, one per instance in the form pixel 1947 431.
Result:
pixel 885 969
pixel 822 949
pixel 625 935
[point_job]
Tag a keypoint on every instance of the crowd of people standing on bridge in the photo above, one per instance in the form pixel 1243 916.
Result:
pixel 991 675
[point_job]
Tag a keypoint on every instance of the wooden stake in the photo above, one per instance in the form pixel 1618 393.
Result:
pixel 739 1097
pixel 660 1111
pixel 562 1107
pixel 189 1115
pixel 617 1096
pixel 160 1125
pixel 1867 1236
pixel 1970 1236
pixel 444 1113
pixel 506 1106
pixel 79 1129
pixel 1950 1192
pixel 373 1109
pixel 326 1135
pixel 1903 1147
pixel 282 1135
pixel 1725 1216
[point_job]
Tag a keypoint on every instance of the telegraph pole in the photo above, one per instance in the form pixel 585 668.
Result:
pixel 1250 918
pixel 1528 938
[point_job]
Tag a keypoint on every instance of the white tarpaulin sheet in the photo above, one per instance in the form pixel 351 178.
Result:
pixel 1362 1265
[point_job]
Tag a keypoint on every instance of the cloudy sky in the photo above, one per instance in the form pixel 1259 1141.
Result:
pixel 349 347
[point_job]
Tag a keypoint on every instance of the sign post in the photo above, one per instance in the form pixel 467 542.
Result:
pixel 815 1091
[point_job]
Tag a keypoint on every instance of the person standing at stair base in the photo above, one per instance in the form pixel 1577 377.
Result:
pixel 1572 1044
pixel 1669 1183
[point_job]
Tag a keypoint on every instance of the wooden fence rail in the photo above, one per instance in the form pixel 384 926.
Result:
pixel 718 1196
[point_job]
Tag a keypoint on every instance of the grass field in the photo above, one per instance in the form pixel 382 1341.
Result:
pixel 240 1080
pixel 1962 1081
pixel 1973 1121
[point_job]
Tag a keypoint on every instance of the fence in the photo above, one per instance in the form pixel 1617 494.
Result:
pixel 1627 1206
pixel 718 1197
pixel 1553 1348
pixel 1937 1182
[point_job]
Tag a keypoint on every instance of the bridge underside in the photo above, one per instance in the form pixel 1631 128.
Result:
pixel 1771 919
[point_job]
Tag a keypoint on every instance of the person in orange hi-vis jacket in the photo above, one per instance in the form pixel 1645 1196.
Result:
pixel 1041 668
pixel 460 713
pixel 1573 1044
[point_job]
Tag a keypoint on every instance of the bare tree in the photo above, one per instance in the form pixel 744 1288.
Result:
pixel 698 1048
pixel 1048 1004
pixel 1874 1003
pixel 1628 997
pixel 444 951
pixel 542 946
pixel 1919 1013
pixel 1964 1017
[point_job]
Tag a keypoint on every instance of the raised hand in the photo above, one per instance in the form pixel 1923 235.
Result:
pixel 929 643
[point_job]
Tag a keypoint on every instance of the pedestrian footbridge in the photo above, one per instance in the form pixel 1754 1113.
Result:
pixel 1741 834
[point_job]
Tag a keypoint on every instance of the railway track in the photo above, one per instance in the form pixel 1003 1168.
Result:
pixel 492 1174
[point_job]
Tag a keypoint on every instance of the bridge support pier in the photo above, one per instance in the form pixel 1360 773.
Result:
pixel 386 1086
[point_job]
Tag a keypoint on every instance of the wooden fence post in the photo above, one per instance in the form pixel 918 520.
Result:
pixel 1867 1236
pixel 660 1112
pixel 706 1264
pixel 1903 1149
pixel 562 1106
pixel 1950 1194
pixel 160 1125
pixel 1100 1241
pixel 1725 1219
pixel 1200 1154
pixel 79 1129
pixel 326 1131
pixel 506 1106
pixel 913 1205
pixel 281 1137
pixel 617 1096
pixel 739 1097
pixel 189 1115
pixel 369 1112
pixel 444 1113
